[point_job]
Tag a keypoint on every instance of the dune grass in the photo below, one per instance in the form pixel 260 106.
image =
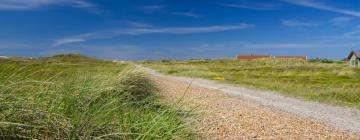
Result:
pixel 332 82
pixel 76 97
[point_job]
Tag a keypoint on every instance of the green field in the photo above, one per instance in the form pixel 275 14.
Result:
pixel 332 82
pixel 76 97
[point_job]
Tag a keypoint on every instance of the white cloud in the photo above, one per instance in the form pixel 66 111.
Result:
pixel 352 34
pixel 152 8
pixel 253 6
pixel 60 42
pixel 149 9
pixel 350 38
pixel 82 38
pixel 297 23
pixel 188 14
pixel 149 30
pixel 33 4
pixel 321 6
pixel 135 24
pixel 184 30
pixel 340 21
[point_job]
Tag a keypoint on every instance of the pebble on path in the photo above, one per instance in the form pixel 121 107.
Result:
pixel 222 116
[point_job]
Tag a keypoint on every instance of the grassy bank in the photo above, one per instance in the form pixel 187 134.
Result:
pixel 325 81
pixel 76 97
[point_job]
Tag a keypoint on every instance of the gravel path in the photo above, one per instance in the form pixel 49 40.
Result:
pixel 232 112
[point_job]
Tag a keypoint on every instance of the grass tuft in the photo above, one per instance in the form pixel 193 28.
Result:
pixel 136 83
pixel 74 97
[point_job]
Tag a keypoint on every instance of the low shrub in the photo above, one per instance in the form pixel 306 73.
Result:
pixel 166 60
pixel 323 60
pixel 136 84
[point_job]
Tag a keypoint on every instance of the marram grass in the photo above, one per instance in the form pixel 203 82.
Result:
pixel 75 97
pixel 332 82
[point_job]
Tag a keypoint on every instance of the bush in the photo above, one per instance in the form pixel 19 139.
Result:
pixel 323 60
pixel 136 84
pixel 166 60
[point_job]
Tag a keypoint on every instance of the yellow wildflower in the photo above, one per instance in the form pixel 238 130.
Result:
pixel 219 78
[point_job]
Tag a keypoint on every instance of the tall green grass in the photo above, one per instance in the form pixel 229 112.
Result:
pixel 332 82
pixel 75 97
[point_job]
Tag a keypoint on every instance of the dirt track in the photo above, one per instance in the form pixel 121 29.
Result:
pixel 227 116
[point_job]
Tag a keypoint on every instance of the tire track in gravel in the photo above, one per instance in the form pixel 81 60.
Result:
pixel 231 112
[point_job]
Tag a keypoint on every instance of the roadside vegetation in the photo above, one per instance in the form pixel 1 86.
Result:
pixel 77 97
pixel 327 81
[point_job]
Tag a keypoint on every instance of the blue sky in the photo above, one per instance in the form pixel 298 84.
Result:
pixel 179 29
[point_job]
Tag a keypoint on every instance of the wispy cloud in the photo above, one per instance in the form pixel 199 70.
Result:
pixel 82 38
pixel 60 42
pixel 149 30
pixel 352 34
pixel 183 30
pixel 253 6
pixel 33 4
pixel 135 24
pixel 298 23
pixel 188 14
pixel 321 6
pixel 350 38
pixel 152 8
pixel 341 21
